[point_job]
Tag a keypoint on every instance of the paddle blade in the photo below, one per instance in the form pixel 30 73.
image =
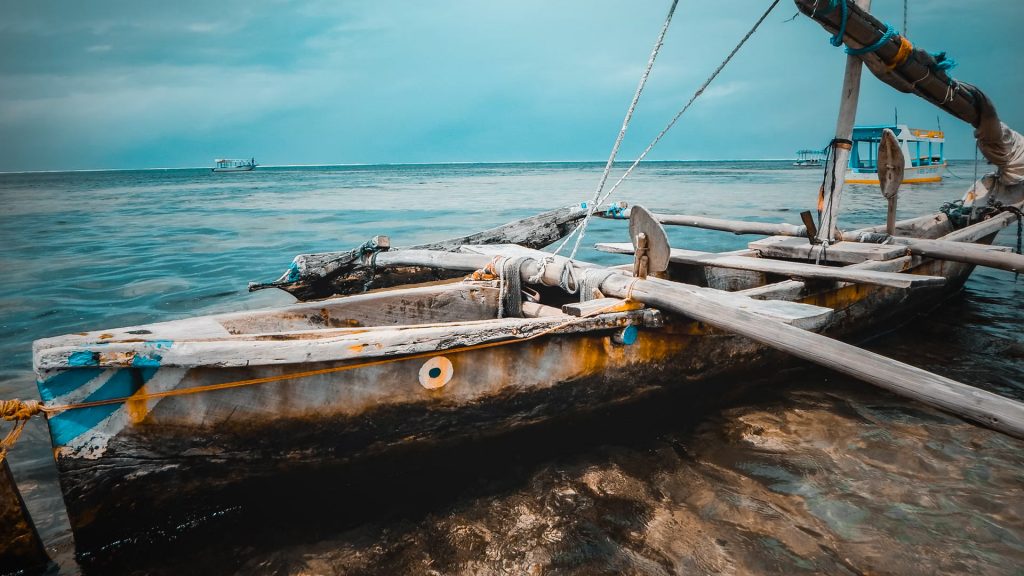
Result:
pixel 890 164
pixel 658 251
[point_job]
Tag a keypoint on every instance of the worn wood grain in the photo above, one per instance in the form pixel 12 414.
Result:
pixel 792 269
pixel 320 275
pixel 838 253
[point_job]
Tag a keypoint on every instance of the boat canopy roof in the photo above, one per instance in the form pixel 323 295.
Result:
pixel 902 131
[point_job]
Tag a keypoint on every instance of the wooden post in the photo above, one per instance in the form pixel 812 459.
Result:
pixel 21 550
pixel 835 171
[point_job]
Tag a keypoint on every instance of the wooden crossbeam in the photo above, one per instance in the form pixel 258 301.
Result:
pixel 791 269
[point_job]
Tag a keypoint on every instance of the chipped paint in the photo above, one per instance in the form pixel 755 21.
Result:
pixel 146 361
pixel 83 358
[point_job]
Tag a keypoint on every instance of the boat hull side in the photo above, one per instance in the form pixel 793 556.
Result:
pixel 188 453
pixel 179 456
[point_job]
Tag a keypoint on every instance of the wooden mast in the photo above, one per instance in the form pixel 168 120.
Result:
pixel 831 193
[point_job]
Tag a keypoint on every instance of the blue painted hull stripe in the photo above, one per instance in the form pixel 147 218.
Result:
pixel 66 381
pixel 66 426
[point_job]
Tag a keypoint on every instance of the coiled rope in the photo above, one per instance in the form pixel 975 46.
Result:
pixel 19 412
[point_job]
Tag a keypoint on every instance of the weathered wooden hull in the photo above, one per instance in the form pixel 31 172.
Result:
pixel 133 467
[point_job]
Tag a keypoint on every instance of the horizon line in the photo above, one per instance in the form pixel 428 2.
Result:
pixel 443 163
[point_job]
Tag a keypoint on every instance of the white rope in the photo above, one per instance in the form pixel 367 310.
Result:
pixel 696 95
pixel 622 133
pixel 582 227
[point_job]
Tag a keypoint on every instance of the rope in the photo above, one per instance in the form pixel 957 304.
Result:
pixel 906 49
pixel 690 102
pixel 19 412
pixel 372 249
pixel 510 289
pixel 591 282
pixel 825 202
pixel 889 33
pixel 581 228
pixel 622 131
pixel 943 62
pixel 837 38
pixel 567 280
pixel 309 373
pixel 906 23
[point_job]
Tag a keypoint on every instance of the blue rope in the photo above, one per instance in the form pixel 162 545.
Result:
pixel 889 33
pixel 837 38
pixel 943 62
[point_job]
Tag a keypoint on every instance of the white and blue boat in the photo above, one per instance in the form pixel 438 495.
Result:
pixel 923 151
pixel 229 165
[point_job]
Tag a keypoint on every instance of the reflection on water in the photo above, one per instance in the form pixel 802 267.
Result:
pixel 804 473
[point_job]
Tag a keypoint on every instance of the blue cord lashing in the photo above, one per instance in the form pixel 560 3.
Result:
pixel 837 38
pixel 890 32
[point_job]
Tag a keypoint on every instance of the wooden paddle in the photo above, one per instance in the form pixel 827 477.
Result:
pixel 890 174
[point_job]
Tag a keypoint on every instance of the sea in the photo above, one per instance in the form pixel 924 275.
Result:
pixel 804 472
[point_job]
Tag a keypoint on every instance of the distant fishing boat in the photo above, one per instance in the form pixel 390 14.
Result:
pixel 922 149
pixel 229 165
pixel 809 157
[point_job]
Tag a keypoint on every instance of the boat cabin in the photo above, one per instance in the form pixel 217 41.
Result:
pixel 232 165
pixel 808 157
pixel 922 149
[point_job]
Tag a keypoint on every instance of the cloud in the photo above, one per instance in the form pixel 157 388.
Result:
pixel 120 83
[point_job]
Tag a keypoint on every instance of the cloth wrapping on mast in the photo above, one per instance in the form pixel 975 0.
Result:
pixel 1004 148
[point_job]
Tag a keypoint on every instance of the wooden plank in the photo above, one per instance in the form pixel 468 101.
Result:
pixel 333 345
pixel 839 253
pixel 604 305
pixel 792 269
pixel 981 255
pixel 708 223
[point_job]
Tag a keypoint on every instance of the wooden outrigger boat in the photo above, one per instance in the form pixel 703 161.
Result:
pixel 146 419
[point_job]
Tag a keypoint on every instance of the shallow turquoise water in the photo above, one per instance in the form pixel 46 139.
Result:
pixel 840 478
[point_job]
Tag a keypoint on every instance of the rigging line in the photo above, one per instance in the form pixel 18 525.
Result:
pixel 625 126
pixel 690 102
pixel 906 29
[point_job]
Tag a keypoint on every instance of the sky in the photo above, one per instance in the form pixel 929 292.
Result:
pixel 135 84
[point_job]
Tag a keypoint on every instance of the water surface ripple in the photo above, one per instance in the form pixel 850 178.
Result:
pixel 804 472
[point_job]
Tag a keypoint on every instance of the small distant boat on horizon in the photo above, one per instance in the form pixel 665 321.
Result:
pixel 230 165
pixel 809 157
pixel 923 150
